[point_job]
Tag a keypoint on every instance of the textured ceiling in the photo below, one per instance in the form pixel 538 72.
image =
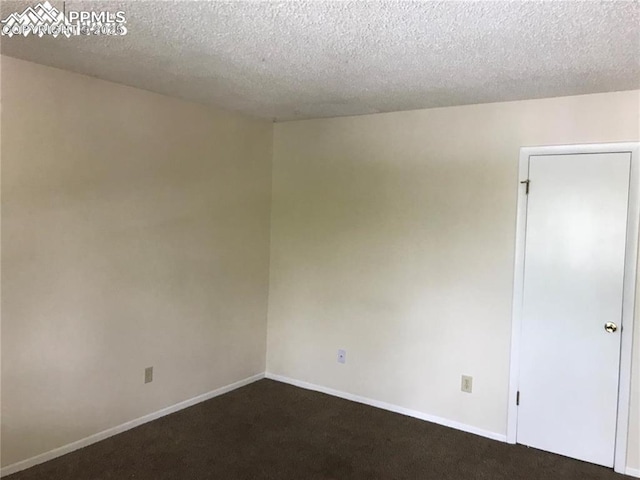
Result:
pixel 304 59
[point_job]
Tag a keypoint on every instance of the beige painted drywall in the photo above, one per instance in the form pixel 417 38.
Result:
pixel 135 232
pixel 393 237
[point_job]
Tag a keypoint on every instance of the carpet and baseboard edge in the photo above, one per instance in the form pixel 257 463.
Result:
pixel 388 406
pixel 632 472
pixel 110 432
pixel 404 411
pixel 58 452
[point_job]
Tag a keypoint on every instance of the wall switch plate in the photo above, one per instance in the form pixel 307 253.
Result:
pixel 148 375
pixel 467 384
pixel 342 356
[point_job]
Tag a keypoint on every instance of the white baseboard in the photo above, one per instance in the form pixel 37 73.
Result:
pixel 390 407
pixel 632 472
pixel 85 442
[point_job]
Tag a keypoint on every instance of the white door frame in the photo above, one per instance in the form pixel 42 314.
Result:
pixel 629 286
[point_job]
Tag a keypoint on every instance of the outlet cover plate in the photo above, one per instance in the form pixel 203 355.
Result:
pixel 342 356
pixel 467 384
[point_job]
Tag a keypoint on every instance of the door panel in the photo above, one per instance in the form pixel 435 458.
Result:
pixel 573 285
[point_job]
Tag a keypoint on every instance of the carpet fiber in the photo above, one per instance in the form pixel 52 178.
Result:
pixel 269 430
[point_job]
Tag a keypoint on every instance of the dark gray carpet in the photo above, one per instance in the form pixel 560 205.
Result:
pixel 269 430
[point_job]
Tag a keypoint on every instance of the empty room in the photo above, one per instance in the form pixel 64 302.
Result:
pixel 323 239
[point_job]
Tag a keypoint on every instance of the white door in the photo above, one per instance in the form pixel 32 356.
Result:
pixel 573 287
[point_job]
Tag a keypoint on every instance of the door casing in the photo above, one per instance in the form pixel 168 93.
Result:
pixel 629 286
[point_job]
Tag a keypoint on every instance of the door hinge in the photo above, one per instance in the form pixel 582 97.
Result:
pixel 518 398
pixel 526 182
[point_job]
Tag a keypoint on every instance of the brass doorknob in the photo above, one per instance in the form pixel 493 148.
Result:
pixel 610 327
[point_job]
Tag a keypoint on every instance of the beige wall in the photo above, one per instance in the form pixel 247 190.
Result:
pixel 135 232
pixel 393 238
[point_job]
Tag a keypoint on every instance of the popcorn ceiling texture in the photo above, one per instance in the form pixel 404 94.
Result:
pixel 305 59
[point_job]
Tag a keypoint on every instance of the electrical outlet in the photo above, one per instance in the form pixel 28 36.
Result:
pixel 342 356
pixel 148 375
pixel 467 384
